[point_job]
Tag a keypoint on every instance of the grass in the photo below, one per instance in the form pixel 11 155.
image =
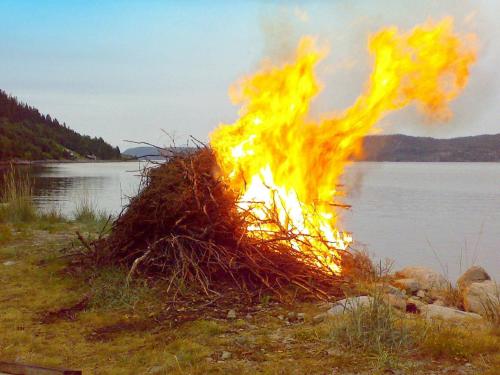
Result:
pixel 17 208
pixel 375 328
pixel 122 331
pixel 110 289
pixel 16 197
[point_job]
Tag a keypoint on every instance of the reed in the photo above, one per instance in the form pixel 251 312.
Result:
pixel 16 197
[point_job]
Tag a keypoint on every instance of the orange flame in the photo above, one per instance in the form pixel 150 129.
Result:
pixel 281 162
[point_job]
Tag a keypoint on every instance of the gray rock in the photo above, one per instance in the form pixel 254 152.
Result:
pixel 410 285
pixel 292 316
pixel 446 313
pixel 481 297
pixel 421 294
pixel 156 370
pixel 248 317
pixel 427 278
pixel 225 356
pixel 389 289
pixel 349 304
pixel 231 314
pixel 474 274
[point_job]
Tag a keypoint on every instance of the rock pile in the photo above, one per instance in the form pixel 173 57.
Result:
pixel 422 290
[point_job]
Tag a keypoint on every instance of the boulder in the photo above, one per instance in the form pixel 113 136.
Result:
pixel 231 314
pixel 410 285
pixel 482 297
pixel 426 278
pixel 389 289
pixel 349 304
pixel 446 313
pixel 474 274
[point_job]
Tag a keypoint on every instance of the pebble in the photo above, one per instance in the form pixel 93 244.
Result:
pixel 157 370
pixel 231 314
pixel 225 356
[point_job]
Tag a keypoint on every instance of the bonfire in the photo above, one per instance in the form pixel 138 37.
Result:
pixel 257 209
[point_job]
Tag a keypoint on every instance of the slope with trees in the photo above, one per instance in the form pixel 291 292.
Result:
pixel 27 134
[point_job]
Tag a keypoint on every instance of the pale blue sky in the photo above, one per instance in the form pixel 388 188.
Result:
pixel 126 69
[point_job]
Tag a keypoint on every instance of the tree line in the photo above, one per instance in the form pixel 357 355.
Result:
pixel 25 133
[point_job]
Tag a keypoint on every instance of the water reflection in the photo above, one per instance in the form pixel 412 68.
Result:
pixel 442 215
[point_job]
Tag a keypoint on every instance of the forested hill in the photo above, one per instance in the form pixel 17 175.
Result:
pixel 398 147
pixel 27 134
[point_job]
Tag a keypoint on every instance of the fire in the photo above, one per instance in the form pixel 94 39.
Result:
pixel 287 166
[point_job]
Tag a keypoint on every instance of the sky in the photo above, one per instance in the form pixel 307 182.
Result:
pixel 155 70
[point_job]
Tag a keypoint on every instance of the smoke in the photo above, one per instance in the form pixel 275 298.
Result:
pixel 475 110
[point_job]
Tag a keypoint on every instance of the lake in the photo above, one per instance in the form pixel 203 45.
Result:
pixel 442 215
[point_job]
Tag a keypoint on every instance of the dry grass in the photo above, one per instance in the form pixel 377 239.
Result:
pixel 123 330
pixel 16 197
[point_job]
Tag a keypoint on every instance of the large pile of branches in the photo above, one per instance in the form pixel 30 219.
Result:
pixel 185 227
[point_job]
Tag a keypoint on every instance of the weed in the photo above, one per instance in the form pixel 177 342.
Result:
pixel 375 327
pixel 110 290
pixel 450 341
pixel 16 196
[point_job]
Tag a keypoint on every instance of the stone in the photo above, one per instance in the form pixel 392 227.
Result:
pixel 446 313
pixel 439 302
pixel 413 305
pixel 156 370
pixel 480 297
pixel 301 316
pixel 231 314
pixel 410 285
pixel 395 301
pixel 426 277
pixel 292 316
pixel 474 274
pixel 418 303
pixel 421 294
pixel 389 289
pixel 349 304
pixel 319 318
pixel 248 317
pixel 9 263
pixel 225 356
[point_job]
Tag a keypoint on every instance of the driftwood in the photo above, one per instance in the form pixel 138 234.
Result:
pixel 22 369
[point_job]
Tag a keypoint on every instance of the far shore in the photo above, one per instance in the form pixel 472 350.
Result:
pixel 4 163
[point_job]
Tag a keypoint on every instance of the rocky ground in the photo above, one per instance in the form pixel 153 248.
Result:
pixel 410 322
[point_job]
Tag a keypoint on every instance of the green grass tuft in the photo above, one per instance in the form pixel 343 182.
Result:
pixel 16 198
pixel 376 328
pixel 110 290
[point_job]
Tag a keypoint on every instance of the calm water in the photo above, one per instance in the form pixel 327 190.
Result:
pixel 442 215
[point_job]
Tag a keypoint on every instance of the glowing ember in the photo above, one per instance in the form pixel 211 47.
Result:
pixel 286 166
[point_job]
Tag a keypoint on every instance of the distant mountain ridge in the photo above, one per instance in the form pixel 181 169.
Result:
pixel 27 134
pixel 399 147
pixel 154 153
